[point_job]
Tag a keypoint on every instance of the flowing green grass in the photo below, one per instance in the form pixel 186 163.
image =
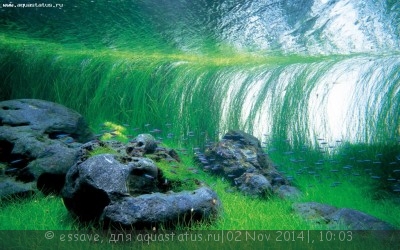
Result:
pixel 279 96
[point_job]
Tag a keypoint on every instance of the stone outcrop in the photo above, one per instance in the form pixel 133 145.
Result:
pixel 239 158
pixel 125 188
pixel 39 142
pixel 335 217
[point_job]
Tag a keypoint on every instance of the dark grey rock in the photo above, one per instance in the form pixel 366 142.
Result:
pixel 39 141
pixel 45 117
pixel 238 156
pixel 255 185
pixel 149 210
pixel 287 192
pixel 127 194
pixel 91 185
pixel 146 142
pixel 335 217
pixel 9 187
pixel 128 151
pixel 357 220
pixel 143 177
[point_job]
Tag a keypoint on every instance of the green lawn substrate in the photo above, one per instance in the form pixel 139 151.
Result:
pixel 239 212
pixel 41 212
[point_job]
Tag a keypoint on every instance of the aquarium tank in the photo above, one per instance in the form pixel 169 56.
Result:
pixel 316 82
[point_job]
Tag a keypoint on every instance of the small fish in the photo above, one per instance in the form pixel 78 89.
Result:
pixel 11 170
pixel 172 171
pixel 334 170
pixel 108 160
pixel 16 161
pixel 231 175
pixel 60 136
pixel 68 140
pixel 148 176
pixel 375 177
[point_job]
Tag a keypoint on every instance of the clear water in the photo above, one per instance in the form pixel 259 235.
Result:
pixel 294 69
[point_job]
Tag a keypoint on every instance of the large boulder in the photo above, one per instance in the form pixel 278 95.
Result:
pixel 39 141
pixel 335 217
pixel 239 158
pixel 149 210
pixel 129 191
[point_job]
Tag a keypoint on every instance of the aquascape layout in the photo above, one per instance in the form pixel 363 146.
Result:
pixel 200 124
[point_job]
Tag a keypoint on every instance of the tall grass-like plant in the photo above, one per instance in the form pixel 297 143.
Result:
pixel 132 67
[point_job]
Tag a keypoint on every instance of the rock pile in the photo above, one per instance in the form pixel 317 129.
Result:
pixel 127 189
pixel 238 157
pixel 39 142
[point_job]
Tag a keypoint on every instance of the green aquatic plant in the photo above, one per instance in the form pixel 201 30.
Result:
pixel 102 150
pixel 188 76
